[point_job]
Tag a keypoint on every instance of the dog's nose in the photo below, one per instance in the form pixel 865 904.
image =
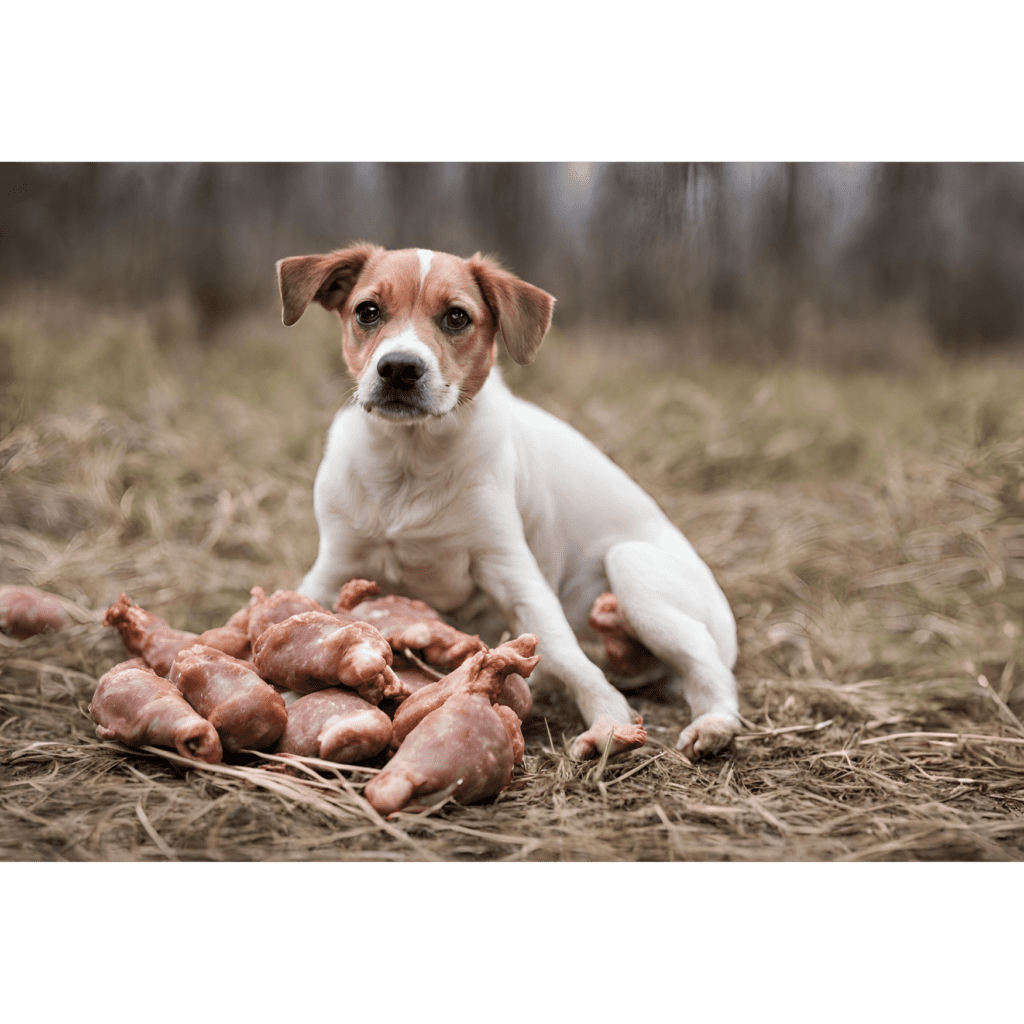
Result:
pixel 401 369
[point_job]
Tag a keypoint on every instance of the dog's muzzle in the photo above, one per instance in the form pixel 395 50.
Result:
pixel 401 390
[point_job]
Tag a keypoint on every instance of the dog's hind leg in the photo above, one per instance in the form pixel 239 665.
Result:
pixel 511 576
pixel 675 607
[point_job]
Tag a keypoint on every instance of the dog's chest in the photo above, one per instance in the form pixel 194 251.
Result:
pixel 411 533
pixel 441 577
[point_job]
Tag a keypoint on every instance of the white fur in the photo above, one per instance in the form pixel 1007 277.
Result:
pixel 425 255
pixel 498 505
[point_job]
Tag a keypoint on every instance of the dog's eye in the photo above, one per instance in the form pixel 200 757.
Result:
pixel 455 319
pixel 367 313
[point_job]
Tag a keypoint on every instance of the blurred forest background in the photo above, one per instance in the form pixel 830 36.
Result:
pixel 854 266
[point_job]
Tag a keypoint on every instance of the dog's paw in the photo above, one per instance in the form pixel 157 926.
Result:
pixel 623 737
pixel 707 735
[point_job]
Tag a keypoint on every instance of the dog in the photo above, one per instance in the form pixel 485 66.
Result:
pixel 441 485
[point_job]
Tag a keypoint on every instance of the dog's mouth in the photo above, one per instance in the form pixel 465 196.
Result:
pixel 396 409
pixel 400 405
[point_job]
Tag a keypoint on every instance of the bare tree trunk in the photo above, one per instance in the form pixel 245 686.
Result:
pixel 206 272
pixel 508 211
pixel 784 254
pixel 638 243
pixel 412 196
pixel 725 288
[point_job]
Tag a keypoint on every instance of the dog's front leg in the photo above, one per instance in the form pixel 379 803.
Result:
pixel 512 578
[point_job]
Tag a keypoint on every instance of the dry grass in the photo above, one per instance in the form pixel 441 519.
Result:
pixel 868 530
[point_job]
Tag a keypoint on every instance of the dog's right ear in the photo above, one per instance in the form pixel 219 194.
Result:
pixel 522 311
pixel 327 278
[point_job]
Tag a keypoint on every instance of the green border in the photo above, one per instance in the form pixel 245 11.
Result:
pixel 882 79
pixel 468 81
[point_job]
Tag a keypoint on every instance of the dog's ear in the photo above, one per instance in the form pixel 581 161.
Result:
pixel 327 278
pixel 523 312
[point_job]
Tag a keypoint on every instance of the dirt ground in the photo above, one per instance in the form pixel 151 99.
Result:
pixel 868 530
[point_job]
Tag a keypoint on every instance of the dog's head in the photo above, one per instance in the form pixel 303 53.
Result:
pixel 420 327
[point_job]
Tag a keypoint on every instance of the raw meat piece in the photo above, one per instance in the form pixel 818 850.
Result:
pixel 246 711
pixel 25 611
pixel 136 706
pixel 354 592
pixel 461 749
pixel 515 733
pixel 240 620
pixel 282 604
pixel 336 725
pixel 150 636
pixel 147 635
pixel 484 673
pixel 313 650
pixel 627 656
pixel 227 639
pixel 406 623
pixel 515 694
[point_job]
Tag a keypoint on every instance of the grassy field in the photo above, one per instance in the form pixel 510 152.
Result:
pixel 867 528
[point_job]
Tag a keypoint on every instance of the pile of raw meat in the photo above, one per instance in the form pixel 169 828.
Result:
pixel 386 675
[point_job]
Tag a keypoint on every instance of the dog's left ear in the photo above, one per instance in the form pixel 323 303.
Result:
pixel 327 278
pixel 523 312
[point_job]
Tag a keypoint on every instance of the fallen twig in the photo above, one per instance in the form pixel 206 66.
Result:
pixel 153 834
pixel 421 664
pixel 785 729
pixel 315 762
pixel 942 736
pixel 1001 704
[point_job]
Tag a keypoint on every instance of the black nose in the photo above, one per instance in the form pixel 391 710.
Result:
pixel 401 369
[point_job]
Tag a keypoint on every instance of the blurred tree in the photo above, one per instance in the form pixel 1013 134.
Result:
pixel 508 212
pixel 638 243
pixel 206 270
pixel 283 185
pixel 412 193
pixel 951 237
pixel 43 234
pixel 895 248
pixel 975 294
pixel 782 258
pixel 725 293
pixel 20 186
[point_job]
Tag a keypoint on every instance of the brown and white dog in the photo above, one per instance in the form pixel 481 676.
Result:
pixel 439 484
